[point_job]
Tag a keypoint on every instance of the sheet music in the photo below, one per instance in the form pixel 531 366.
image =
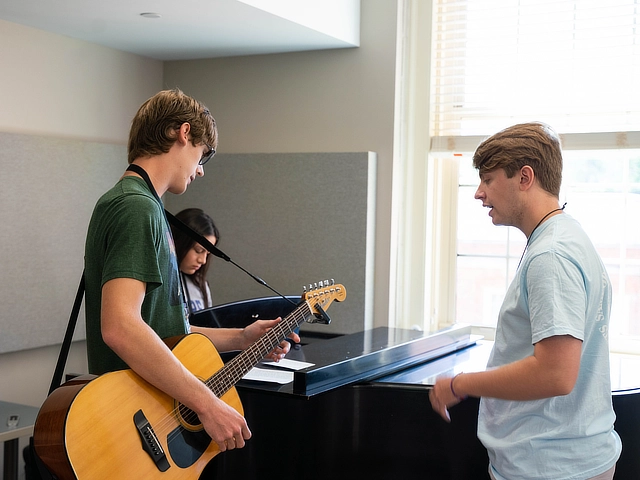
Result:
pixel 269 375
pixel 278 372
pixel 288 364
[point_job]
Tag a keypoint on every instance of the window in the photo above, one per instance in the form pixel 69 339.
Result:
pixel 574 64
pixel 602 191
pixel 571 63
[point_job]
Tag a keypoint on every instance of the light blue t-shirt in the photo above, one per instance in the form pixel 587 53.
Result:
pixel 561 288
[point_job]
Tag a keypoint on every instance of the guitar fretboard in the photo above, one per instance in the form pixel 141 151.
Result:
pixel 239 366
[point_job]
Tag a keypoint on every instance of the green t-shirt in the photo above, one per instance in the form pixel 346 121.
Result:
pixel 128 237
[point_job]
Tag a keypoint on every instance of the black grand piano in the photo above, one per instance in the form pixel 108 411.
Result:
pixel 362 409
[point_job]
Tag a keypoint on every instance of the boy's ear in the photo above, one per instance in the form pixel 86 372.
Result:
pixel 527 177
pixel 183 133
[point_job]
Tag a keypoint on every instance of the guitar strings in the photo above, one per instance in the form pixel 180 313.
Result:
pixel 240 366
pixel 222 378
pixel 295 318
pixel 167 426
pixel 224 381
pixel 276 335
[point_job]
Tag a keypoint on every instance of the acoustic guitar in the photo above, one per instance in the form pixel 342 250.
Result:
pixel 117 426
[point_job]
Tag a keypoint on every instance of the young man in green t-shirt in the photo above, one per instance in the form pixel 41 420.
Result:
pixel 133 293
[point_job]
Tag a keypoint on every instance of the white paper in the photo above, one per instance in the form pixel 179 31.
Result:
pixel 289 364
pixel 269 375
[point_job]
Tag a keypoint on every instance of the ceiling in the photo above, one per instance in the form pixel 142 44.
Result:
pixel 193 29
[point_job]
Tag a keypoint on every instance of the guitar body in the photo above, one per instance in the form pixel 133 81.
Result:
pixel 95 428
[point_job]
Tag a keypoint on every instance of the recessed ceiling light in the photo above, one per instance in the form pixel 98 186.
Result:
pixel 150 15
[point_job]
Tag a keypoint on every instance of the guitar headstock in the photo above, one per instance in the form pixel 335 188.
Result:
pixel 320 296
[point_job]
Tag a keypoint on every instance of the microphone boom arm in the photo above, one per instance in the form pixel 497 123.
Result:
pixel 211 248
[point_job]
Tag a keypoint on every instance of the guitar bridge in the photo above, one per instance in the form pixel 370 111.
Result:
pixel 150 443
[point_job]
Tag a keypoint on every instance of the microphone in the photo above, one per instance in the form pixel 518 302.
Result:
pixel 211 248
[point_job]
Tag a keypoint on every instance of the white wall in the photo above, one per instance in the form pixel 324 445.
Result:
pixel 56 86
pixel 322 101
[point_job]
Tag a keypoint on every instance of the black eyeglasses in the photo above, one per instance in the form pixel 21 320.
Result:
pixel 207 156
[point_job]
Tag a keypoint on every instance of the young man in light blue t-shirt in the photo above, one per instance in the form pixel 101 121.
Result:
pixel 545 408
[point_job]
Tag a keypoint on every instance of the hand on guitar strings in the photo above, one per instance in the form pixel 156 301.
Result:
pixel 225 425
pixel 258 328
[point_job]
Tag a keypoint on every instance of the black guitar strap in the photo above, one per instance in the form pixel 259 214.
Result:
pixel 66 344
pixel 33 466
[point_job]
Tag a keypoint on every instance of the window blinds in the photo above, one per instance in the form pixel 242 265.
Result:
pixel 573 64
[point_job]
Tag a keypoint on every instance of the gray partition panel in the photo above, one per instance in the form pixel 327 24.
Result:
pixel 49 187
pixel 292 219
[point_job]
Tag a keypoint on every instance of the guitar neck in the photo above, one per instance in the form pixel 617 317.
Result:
pixel 239 366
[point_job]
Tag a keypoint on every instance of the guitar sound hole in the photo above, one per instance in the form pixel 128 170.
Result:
pixel 188 418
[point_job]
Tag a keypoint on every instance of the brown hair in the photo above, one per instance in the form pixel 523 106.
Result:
pixel 534 144
pixel 153 129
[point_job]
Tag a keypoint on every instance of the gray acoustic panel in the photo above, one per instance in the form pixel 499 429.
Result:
pixel 292 219
pixel 49 187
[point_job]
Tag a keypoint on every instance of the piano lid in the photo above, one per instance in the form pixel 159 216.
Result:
pixel 373 353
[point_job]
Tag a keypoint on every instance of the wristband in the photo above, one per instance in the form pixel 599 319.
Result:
pixel 453 391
